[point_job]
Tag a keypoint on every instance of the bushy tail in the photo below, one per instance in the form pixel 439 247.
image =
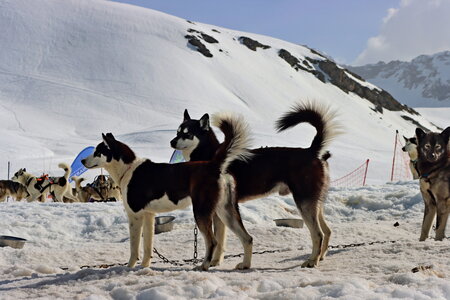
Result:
pixel 78 181
pixel 318 115
pixel 66 169
pixel 236 141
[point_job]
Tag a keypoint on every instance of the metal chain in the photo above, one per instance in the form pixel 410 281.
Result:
pixel 195 245
pixel 195 260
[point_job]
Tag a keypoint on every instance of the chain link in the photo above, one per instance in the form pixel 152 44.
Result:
pixel 195 244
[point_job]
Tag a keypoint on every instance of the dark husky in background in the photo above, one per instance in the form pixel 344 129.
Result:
pixel 433 165
pixel 302 172
pixel 12 189
pixel 149 188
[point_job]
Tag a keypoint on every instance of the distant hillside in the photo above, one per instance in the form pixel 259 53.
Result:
pixel 422 82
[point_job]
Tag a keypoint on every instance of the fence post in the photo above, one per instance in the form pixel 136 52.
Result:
pixel 393 159
pixel 365 172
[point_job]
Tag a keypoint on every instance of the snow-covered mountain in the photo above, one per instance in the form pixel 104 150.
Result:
pixel 70 70
pixel 422 82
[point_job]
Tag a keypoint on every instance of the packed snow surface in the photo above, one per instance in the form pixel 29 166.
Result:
pixel 70 236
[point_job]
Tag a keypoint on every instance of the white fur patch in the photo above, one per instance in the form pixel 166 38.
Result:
pixel 165 205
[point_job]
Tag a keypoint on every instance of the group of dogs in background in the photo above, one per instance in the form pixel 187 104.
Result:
pixel 24 185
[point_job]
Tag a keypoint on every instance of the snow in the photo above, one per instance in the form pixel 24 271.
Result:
pixel 70 70
pixel 73 235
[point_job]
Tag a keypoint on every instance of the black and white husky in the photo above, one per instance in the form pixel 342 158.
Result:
pixel 59 187
pixel 411 148
pixel 302 172
pixel 149 188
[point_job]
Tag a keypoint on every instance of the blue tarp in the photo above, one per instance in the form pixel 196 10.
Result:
pixel 177 157
pixel 77 166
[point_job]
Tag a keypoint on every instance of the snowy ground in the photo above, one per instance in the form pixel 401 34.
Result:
pixel 73 235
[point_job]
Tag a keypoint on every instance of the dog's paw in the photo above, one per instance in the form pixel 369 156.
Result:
pixel 242 266
pixel 309 264
pixel 132 263
pixel 216 262
pixel 201 268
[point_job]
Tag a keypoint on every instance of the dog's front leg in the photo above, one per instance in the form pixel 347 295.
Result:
pixel 429 213
pixel 135 227
pixel 149 230
pixel 441 220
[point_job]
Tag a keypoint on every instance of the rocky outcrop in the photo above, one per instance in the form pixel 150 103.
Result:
pixel 252 44
pixel 207 38
pixel 194 41
pixel 327 71
pixel 380 98
pixel 295 63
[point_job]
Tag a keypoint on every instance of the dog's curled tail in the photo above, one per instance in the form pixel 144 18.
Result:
pixel 322 117
pixel 66 168
pixel 237 139
pixel 78 181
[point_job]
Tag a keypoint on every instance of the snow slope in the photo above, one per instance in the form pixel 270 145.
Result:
pixel 70 236
pixel 70 70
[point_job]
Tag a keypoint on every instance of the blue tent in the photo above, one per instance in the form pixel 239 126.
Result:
pixel 176 157
pixel 77 166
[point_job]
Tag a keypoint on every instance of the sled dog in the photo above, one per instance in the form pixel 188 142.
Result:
pixel 12 189
pixel 149 188
pixel 87 192
pixel 433 165
pixel 302 172
pixel 411 148
pixel 38 187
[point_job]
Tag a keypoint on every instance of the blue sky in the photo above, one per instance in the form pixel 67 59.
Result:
pixel 350 31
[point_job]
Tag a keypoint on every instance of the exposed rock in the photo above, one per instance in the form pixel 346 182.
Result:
pixel 380 98
pixel 252 44
pixel 194 41
pixel 297 64
pixel 208 38
pixel 215 30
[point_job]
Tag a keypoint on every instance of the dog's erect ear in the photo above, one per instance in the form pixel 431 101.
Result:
pixel 24 169
pixel 413 140
pixel 108 139
pixel 419 134
pixel 187 117
pixel 204 122
pixel 446 134
pixel 405 138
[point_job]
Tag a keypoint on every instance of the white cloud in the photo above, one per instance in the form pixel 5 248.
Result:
pixel 416 27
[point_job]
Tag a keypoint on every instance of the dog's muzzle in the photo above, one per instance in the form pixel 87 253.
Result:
pixel 173 143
